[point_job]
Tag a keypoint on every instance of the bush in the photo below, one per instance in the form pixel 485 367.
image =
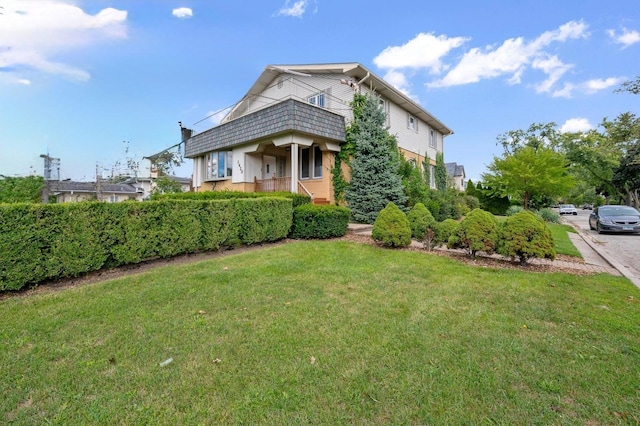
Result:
pixel 513 210
pixel 477 232
pixel 442 231
pixel 525 236
pixel 549 215
pixel 297 199
pixel 52 241
pixel 420 219
pixel 391 227
pixel 311 221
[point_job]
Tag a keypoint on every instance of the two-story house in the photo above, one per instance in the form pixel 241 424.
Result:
pixel 284 133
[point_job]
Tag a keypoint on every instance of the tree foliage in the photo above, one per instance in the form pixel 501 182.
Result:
pixel 440 172
pixel 21 189
pixel 374 179
pixel 631 86
pixel 529 172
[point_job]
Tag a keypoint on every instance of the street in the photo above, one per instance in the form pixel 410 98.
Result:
pixel 624 248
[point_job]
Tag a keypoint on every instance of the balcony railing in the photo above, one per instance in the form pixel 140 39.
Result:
pixel 274 184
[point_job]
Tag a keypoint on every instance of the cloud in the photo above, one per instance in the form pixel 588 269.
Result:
pixel 512 58
pixel 626 39
pixel 34 32
pixel 588 87
pixel 296 10
pixel 576 125
pixel 423 51
pixel 182 13
pixel 399 81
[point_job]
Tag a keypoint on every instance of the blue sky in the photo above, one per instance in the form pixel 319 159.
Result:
pixel 99 81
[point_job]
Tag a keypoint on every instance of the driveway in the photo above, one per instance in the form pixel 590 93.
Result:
pixel 621 250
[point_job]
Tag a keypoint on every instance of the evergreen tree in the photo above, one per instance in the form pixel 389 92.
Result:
pixel 374 179
pixel 440 173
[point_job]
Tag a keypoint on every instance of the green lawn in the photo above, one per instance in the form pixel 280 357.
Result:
pixel 327 332
pixel 562 242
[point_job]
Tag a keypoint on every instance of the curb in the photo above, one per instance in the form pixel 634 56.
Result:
pixel 609 259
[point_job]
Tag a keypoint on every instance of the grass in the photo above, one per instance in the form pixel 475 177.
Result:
pixel 561 239
pixel 327 332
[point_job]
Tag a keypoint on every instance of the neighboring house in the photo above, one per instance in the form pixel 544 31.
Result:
pixel 67 191
pixel 456 175
pixel 284 133
pixel 146 185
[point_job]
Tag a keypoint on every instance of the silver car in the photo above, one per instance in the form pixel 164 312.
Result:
pixel 567 209
pixel 615 219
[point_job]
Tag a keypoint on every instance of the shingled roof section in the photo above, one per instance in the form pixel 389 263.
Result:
pixel 453 169
pixel 284 117
pixel 90 187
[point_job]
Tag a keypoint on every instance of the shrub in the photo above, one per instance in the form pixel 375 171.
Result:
pixel 477 232
pixel 297 199
pixel 549 215
pixel 420 218
pixel 513 210
pixel 525 236
pixel 311 221
pixel 443 231
pixel 391 227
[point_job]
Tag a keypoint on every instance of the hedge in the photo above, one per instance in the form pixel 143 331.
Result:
pixel 52 241
pixel 313 221
pixel 297 199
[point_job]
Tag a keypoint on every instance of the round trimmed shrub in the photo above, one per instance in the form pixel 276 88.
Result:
pixel 549 215
pixel 391 227
pixel 313 221
pixel 514 209
pixel 477 232
pixel 443 231
pixel 420 218
pixel 525 236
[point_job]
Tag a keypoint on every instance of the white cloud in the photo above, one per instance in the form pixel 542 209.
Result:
pixel 512 58
pixel 398 80
pixel 423 51
pixel 296 10
pixel 24 82
pixel 576 125
pixel 182 13
pixel 33 32
pixel 626 39
pixel 588 87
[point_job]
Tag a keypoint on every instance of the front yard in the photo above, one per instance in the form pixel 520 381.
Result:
pixel 325 332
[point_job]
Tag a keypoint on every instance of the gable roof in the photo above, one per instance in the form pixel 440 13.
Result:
pixel 454 170
pixel 90 187
pixel 351 69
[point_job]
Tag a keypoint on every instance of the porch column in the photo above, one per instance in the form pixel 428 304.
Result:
pixel 294 168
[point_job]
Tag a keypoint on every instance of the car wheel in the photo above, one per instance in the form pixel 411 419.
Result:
pixel 598 229
pixel 575 214
pixel 591 228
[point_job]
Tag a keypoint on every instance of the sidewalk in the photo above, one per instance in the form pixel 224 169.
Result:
pixel 594 262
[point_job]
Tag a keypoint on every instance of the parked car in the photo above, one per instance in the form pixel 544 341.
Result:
pixel 568 209
pixel 615 219
pixel 587 207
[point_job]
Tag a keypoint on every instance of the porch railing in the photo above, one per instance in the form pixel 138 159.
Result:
pixel 274 184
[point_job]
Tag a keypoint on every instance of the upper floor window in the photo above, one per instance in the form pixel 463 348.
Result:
pixel 384 106
pixel 432 138
pixel 317 99
pixel 219 165
pixel 310 163
pixel 412 123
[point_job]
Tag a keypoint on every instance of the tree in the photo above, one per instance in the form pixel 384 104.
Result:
pixel 412 182
pixel 538 135
pixel 166 185
pixel 374 179
pixel 440 173
pixel 631 86
pixel 627 175
pixel 529 172
pixel 21 189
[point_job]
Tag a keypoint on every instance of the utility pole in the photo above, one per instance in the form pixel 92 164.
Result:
pixel 98 184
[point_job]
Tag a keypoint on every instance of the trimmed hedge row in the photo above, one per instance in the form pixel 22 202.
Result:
pixel 313 221
pixel 297 199
pixel 42 242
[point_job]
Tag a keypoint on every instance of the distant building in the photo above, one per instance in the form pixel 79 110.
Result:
pixel 67 191
pixel 456 175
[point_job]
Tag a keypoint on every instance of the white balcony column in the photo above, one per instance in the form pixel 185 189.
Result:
pixel 294 168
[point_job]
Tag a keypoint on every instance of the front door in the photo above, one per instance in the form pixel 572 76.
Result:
pixel 269 168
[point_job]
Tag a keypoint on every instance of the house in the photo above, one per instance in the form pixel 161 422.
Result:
pixel 67 191
pixel 456 175
pixel 284 133
pixel 147 184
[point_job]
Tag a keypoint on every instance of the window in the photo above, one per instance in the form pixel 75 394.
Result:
pixel 310 162
pixel 384 106
pixel 412 123
pixel 432 138
pixel 432 176
pixel 317 99
pixel 219 165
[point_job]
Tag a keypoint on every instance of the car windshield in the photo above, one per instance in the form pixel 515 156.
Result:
pixel 567 206
pixel 618 211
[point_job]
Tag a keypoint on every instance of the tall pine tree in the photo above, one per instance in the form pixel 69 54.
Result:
pixel 374 178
